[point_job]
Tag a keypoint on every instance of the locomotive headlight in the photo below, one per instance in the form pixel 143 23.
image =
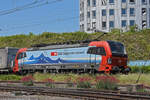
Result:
pixel 109 60
pixel 125 52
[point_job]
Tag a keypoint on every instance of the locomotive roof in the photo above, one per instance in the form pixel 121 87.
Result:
pixel 63 46
pixel 58 47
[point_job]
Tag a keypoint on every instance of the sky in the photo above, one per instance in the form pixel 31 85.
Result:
pixel 24 16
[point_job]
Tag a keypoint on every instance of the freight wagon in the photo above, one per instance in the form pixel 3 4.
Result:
pixel 97 56
pixel 7 58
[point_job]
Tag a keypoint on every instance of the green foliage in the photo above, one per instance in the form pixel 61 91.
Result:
pixel 143 69
pixel 69 82
pixel 106 85
pixel 28 83
pixel 116 31
pixel 136 42
pixel 49 83
pixel 132 78
pixel 106 82
pixel 132 30
pixel 83 82
pixel 10 77
pixel 27 80
pixel 83 85
pixel 141 90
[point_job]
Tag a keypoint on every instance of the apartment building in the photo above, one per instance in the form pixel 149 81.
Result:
pixel 105 15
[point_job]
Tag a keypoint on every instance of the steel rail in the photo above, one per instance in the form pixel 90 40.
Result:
pixel 65 83
pixel 78 93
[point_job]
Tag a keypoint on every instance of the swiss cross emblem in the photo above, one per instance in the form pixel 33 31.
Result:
pixel 54 54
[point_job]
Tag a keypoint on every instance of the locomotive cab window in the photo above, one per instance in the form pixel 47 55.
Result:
pixel 24 55
pixel 117 48
pixel 96 51
pixel 21 55
pixel 91 50
pixel 101 51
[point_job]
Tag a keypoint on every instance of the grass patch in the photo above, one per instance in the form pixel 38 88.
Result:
pixel 131 78
pixel 56 77
pixel 10 77
pixel 143 69
pixel 60 77
pixel 123 79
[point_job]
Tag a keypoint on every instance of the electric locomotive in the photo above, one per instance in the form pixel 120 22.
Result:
pixel 97 56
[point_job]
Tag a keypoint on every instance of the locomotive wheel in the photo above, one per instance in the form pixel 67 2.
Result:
pixel 127 70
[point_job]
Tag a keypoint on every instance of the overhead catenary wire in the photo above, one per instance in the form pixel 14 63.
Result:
pixel 16 8
pixel 33 24
pixel 30 22
pixel 33 4
pixel 47 22
pixel 59 12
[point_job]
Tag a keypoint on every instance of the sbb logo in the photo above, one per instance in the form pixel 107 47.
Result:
pixel 54 54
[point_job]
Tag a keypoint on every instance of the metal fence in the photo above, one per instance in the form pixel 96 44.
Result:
pixel 139 63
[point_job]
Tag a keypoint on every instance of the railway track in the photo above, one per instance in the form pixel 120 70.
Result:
pixel 76 93
pixel 64 83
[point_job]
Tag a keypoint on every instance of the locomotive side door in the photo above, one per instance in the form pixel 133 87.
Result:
pixel 103 59
pixel 21 58
pixel 96 57
pixel 92 57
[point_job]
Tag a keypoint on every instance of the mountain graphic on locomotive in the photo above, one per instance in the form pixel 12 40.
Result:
pixel 97 56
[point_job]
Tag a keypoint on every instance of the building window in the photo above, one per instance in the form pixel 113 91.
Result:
pixel 88 14
pixel 88 2
pixel 82 28
pixel 111 1
pixel 82 17
pixel 149 17
pixel 104 2
pixel 143 11
pixel 111 12
pixel 123 12
pixel 132 22
pixel 104 25
pixel 94 3
pixel 124 23
pixel 144 2
pixel 94 14
pixel 111 24
pixel 123 1
pixel 132 1
pixel 132 12
pixel 82 6
pixel 144 24
pixel 93 25
pixel 104 12
pixel 88 26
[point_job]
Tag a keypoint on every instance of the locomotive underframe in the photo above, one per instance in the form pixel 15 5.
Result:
pixel 61 68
